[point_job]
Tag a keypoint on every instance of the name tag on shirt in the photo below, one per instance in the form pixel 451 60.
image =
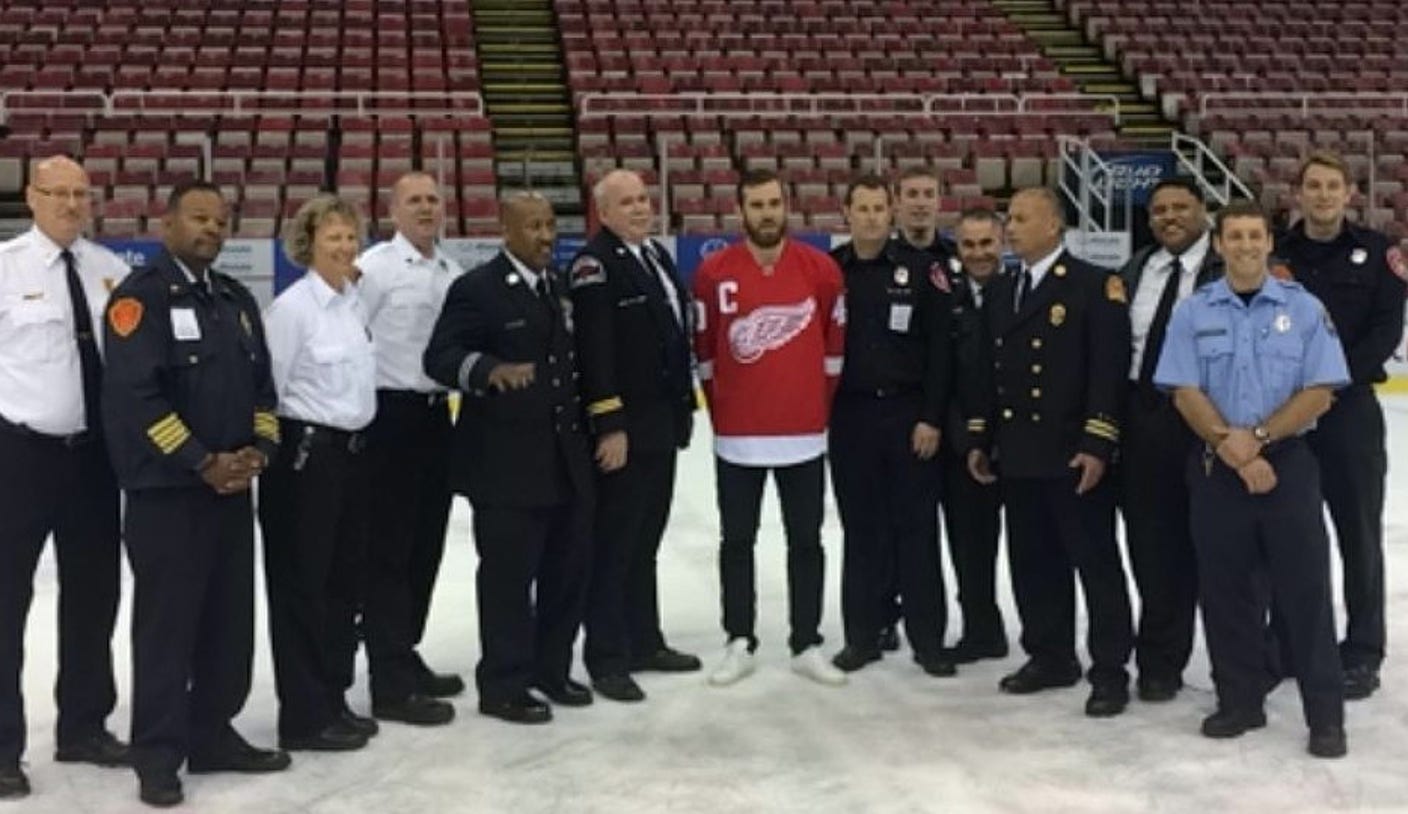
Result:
pixel 899 317
pixel 184 325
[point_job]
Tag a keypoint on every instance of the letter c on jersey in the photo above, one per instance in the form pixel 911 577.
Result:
pixel 728 289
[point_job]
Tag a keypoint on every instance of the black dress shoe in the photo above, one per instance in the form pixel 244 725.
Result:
pixel 420 710
pixel 851 659
pixel 666 660
pixel 1327 741
pixel 358 723
pixel 336 737
pixel 160 790
pixel 102 749
pixel 938 666
pixel 968 651
pixel 569 693
pixel 1035 677
pixel 525 709
pixel 618 688
pixel 889 640
pixel 1229 723
pixel 1155 689
pixel 13 783
pixel 1107 700
pixel 1360 682
pixel 239 757
pixel 436 685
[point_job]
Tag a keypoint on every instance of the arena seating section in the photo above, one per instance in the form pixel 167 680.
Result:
pixel 349 93
pixel 1185 50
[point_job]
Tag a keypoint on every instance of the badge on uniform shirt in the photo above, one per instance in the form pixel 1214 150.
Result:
pixel 124 315
pixel 1358 256
pixel 1058 315
pixel 901 275
pixel 1114 288
pixel 1282 323
pixel 1398 263
pixel 900 315
pixel 939 277
pixel 184 325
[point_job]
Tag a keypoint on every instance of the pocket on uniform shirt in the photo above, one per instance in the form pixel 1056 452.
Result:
pixel 1282 354
pixel 1214 356
pixel 38 332
pixel 330 365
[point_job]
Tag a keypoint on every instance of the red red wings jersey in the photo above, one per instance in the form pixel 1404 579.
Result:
pixel 770 345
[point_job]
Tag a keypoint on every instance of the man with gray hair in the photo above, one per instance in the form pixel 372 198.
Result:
pixel 521 456
pixel 633 328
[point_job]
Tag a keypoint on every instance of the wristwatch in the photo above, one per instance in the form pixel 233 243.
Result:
pixel 1261 434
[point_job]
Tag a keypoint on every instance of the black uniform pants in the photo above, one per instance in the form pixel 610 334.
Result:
pixel 1052 530
pixel 1154 504
pixel 888 500
pixel 972 520
pixel 48 487
pixel 532 586
pixel 800 489
pixel 313 503
pixel 623 610
pixel 408 449
pixel 192 555
pixel 1246 542
pixel 1350 447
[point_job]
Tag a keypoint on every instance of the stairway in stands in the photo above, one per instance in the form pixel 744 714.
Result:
pixel 1083 62
pixel 523 79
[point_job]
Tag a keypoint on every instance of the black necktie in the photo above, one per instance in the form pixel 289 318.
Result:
pixel 657 281
pixel 1024 289
pixel 88 359
pixel 1154 342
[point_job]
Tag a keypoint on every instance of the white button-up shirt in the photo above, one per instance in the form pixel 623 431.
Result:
pixel 321 354
pixel 402 291
pixel 1151 287
pixel 41 378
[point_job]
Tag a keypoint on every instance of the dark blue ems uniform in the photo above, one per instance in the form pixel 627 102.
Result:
pixel 1359 276
pixel 897 373
pixel 1250 359
pixel 187 376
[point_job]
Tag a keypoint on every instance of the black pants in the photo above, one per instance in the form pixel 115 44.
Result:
pixel 972 519
pixel 192 554
pixel 888 500
pixel 740 494
pixel 1246 543
pixel 623 609
pixel 408 448
pixel 532 587
pixel 47 486
pixel 1350 446
pixel 313 511
pixel 1052 530
pixel 1154 504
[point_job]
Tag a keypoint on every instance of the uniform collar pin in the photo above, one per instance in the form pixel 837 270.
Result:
pixel 1358 256
pixel 512 278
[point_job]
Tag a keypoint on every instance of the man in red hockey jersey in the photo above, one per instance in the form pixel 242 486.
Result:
pixel 770 341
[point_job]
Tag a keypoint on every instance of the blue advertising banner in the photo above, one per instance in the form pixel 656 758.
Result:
pixel 1138 171
pixel 134 252
pixel 690 250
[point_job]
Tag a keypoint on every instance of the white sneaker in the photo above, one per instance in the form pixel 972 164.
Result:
pixel 810 663
pixel 736 666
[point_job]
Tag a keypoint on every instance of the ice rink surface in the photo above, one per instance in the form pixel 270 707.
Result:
pixel 894 740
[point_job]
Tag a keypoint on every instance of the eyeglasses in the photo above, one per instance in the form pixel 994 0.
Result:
pixel 73 195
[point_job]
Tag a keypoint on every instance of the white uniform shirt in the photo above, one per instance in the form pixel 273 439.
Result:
pixel 403 291
pixel 1151 287
pixel 41 378
pixel 321 354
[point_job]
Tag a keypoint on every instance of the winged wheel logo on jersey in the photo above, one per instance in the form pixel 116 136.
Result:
pixel 768 328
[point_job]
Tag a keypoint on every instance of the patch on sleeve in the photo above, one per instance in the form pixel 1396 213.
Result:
pixel 124 316
pixel 1282 272
pixel 1398 263
pixel 939 277
pixel 586 270
pixel 1114 289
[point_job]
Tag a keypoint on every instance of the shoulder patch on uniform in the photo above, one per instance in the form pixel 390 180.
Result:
pixel 938 275
pixel 1114 289
pixel 1397 262
pixel 586 270
pixel 1282 272
pixel 124 315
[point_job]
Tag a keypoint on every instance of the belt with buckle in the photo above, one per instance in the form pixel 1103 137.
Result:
pixel 434 398
pixel 306 432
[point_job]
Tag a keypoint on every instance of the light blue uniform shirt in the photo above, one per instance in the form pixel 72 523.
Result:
pixel 1250 359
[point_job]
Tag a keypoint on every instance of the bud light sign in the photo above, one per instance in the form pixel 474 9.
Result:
pixel 1137 172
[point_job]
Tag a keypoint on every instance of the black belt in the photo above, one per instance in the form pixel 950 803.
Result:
pixel 307 433
pixel 431 399
pixel 70 441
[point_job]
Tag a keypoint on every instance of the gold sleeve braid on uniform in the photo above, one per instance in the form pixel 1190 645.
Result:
pixel 606 405
pixel 1103 427
pixel 266 426
pixel 168 433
